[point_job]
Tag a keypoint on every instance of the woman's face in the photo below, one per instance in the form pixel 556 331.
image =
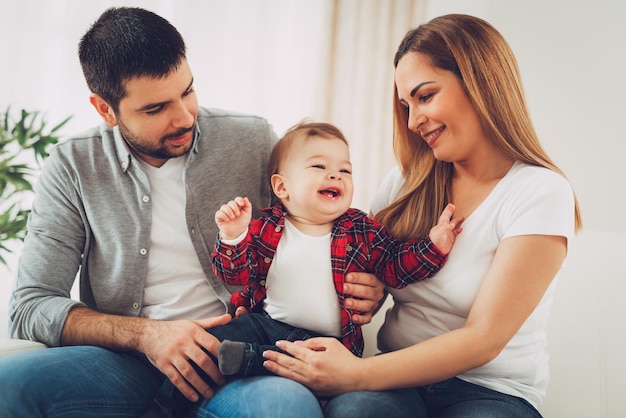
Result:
pixel 438 108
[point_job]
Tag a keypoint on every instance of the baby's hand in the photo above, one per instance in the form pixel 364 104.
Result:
pixel 233 217
pixel 444 233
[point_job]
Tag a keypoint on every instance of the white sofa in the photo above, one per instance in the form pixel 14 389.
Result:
pixel 9 346
pixel 587 331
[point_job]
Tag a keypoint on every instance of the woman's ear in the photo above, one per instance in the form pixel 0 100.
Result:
pixel 278 185
pixel 104 110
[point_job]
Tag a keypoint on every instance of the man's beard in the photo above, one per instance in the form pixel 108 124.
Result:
pixel 155 150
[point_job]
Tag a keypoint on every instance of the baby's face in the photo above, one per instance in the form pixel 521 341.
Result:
pixel 317 176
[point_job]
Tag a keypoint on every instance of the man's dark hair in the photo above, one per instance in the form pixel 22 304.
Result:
pixel 128 42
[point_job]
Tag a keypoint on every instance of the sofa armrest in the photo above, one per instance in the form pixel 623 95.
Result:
pixel 9 346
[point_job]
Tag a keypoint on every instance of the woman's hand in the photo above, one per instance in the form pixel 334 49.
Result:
pixel 366 294
pixel 322 364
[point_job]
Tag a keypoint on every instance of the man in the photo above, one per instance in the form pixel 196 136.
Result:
pixel 130 205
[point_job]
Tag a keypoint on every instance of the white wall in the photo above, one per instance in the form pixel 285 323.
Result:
pixel 223 42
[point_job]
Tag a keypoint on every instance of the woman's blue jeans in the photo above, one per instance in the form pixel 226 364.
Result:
pixel 451 398
pixel 95 382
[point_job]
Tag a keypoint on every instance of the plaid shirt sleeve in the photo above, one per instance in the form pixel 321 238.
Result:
pixel 395 262
pixel 247 263
pixel 237 265
pixel 399 264
pixel 231 263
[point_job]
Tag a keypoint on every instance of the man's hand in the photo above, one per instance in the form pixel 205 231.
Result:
pixel 366 295
pixel 171 346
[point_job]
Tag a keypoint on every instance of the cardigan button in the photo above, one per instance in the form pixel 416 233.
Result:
pixel 348 247
pixel 267 260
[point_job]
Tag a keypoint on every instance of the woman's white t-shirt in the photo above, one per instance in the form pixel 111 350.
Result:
pixel 528 200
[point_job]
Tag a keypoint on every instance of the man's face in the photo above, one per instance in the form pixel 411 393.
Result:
pixel 157 116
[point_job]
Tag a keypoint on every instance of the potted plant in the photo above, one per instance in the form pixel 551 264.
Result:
pixel 24 144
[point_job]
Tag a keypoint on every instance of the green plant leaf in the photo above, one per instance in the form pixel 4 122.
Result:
pixel 27 132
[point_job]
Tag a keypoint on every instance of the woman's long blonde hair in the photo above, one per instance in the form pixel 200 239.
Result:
pixel 480 57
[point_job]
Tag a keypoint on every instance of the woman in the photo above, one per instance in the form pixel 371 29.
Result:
pixel 471 342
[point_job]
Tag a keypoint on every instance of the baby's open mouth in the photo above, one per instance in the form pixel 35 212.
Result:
pixel 332 193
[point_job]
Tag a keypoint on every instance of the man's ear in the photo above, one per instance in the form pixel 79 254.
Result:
pixel 104 110
pixel 278 185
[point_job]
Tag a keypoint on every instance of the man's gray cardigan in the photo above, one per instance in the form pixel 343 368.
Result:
pixel 92 213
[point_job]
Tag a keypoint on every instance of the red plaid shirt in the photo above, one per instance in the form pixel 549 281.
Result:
pixel 358 243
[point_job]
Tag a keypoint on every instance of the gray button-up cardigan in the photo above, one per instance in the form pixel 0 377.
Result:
pixel 92 213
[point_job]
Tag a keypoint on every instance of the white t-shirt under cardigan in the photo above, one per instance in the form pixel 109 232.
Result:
pixel 175 286
pixel 528 200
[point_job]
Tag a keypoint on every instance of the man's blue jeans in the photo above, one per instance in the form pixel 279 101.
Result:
pixel 447 399
pixel 259 330
pixel 94 382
